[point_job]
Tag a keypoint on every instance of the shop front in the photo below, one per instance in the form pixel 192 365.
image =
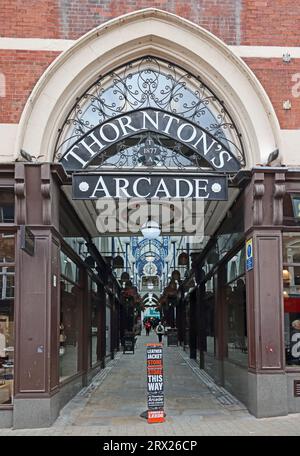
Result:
pixel 200 124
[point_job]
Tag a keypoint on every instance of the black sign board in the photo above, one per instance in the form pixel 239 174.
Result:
pixel 27 240
pixel 172 337
pixel 128 344
pixel 156 185
pixel 96 141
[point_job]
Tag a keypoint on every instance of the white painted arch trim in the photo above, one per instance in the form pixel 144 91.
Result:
pixel 133 35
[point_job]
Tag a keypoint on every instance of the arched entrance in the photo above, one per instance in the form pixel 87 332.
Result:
pixel 125 119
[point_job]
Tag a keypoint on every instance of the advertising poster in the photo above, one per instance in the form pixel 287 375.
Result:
pixel 155 383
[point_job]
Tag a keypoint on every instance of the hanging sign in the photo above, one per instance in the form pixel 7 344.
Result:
pixel 249 254
pixel 105 185
pixel 155 383
pixel 27 240
pixel 96 141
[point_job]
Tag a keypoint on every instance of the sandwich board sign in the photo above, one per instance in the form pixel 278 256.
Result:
pixel 155 383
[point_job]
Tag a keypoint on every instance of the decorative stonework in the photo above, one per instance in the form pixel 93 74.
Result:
pixel 20 210
pixel 258 193
pixel 279 192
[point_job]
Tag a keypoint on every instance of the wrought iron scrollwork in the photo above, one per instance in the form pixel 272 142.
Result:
pixel 149 152
pixel 150 82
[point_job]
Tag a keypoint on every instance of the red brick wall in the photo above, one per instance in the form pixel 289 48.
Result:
pixel 29 18
pixel 22 69
pixel 276 78
pixel 271 22
pixel 267 22
pixel 251 22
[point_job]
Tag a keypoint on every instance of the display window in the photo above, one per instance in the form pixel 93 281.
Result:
pixel 235 310
pixel 7 296
pixel 70 321
pixel 95 316
pixel 291 297
pixel 209 309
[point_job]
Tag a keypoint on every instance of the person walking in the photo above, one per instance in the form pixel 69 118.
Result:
pixel 147 327
pixel 160 330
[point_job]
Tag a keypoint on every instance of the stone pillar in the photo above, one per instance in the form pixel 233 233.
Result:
pixel 37 298
pixel 267 386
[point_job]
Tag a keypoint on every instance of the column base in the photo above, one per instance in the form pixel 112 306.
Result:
pixel 267 395
pixel 35 412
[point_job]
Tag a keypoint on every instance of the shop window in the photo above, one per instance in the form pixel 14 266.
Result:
pixel 7 206
pixel 70 325
pixel 236 266
pixel 69 269
pixel 7 293
pixel 209 309
pixel 108 326
pixel 291 297
pixel 236 315
pixel 95 315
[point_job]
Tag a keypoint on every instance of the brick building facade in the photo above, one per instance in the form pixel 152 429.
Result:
pixel 247 52
pixel 236 22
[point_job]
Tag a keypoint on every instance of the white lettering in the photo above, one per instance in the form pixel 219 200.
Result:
pixel 163 189
pixel 203 138
pixel 180 130
pixel 101 188
pixel 88 147
pixel 136 183
pixel 151 121
pixel 77 157
pixel 199 189
pixel 121 191
pixel 114 127
pixel 178 186
pixel 125 126
pixel 155 386
pixel 221 163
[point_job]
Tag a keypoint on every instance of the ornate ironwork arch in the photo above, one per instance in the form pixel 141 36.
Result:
pixel 154 83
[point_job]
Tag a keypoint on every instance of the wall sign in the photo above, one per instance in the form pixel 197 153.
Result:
pixel 27 240
pixel 196 186
pixel 249 255
pixel 182 130
pixel 155 383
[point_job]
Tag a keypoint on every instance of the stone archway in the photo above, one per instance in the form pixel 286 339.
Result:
pixel 134 35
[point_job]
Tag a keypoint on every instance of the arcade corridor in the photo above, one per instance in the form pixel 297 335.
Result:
pixel 111 406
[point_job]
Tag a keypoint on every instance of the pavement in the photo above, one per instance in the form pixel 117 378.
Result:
pixel 112 405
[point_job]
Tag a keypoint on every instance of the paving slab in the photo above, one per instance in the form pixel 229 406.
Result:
pixel 194 405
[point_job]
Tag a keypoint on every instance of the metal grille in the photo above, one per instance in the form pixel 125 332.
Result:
pixel 150 82
pixel 297 388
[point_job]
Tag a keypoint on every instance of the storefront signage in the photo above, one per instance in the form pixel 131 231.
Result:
pixel 155 383
pixel 196 186
pixel 27 240
pixel 96 141
pixel 249 255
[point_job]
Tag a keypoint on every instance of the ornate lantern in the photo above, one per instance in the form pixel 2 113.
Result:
pixel 118 262
pixel 125 276
pixel 183 259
